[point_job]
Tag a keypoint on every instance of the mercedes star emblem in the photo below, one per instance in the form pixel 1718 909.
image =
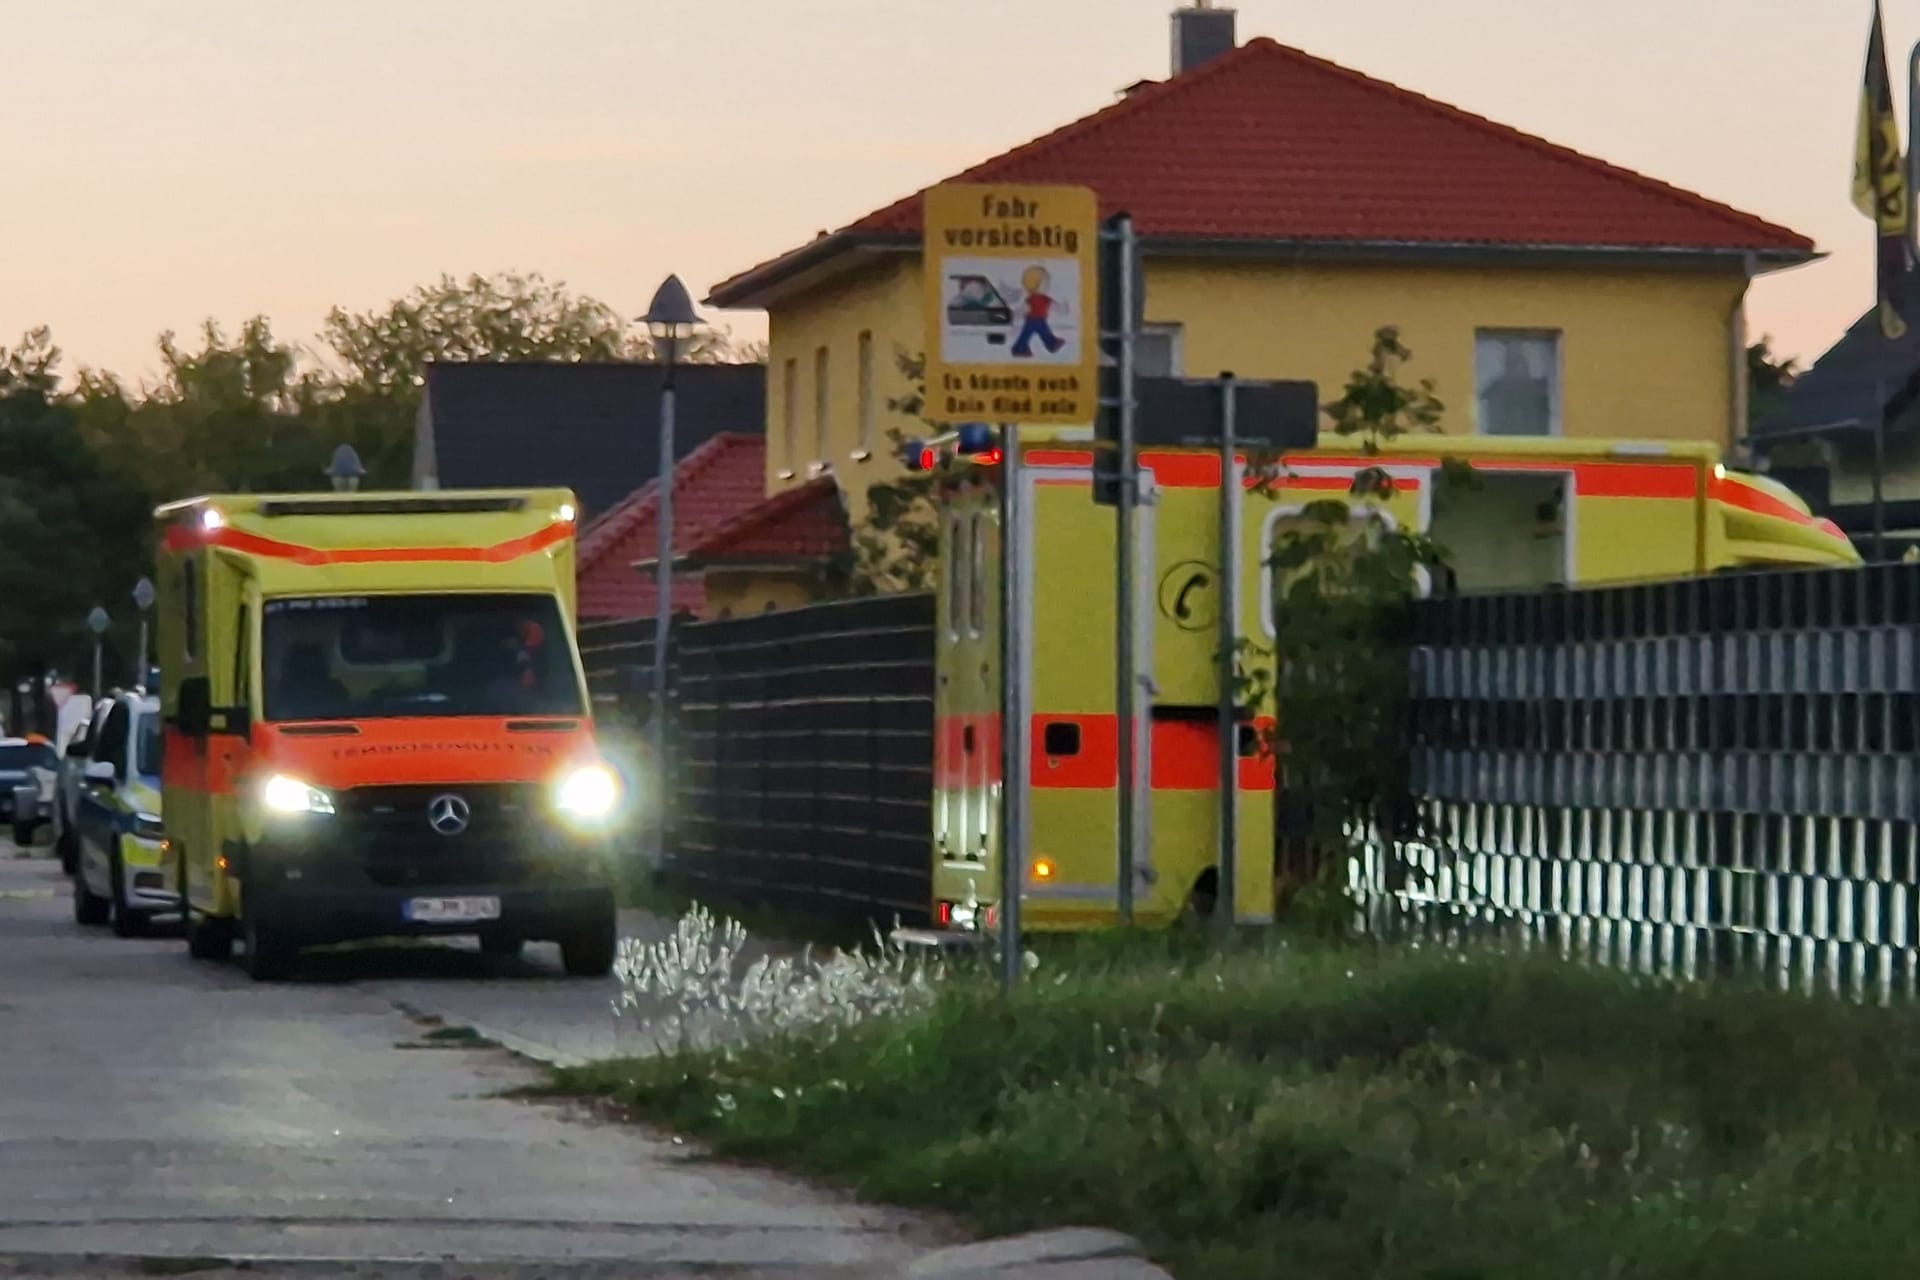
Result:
pixel 448 814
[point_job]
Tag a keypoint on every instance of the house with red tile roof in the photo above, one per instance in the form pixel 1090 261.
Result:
pixel 1289 207
pixel 735 551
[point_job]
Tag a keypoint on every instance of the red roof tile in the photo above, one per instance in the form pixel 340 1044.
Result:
pixel 712 485
pixel 805 523
pixel 1268 144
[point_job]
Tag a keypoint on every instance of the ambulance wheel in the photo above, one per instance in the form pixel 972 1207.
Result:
pixel 23 833
pixel 268 958
pixel 1202 899
pixel 89 908
pixel 207 939
pixel 588 948
pixel 127 922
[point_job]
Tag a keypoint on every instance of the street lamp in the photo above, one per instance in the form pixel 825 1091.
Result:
pixel 97 622
pixel 143 601
pixel 670 321
pixel 345 470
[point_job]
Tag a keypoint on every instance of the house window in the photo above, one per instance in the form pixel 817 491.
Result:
pixel 189 609
pixel 977 572
pixel 956 569
pixel 1517 381
pixel 790 411
pixel 865 444
pixel 1157 352
pixel 821 408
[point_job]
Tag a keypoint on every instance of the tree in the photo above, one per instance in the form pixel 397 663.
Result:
pixel 377 360
pixel 227 414
pixel 1768 378
pixel 1336 676
pixel 32 366
pixel 72 534
pixel 897 549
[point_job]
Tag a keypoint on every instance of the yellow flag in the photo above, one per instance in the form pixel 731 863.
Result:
pixel 1880 181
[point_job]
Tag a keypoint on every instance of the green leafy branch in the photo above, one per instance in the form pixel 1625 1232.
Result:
pixel 1345 572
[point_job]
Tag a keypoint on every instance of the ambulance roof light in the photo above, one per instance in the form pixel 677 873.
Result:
pixel 976 438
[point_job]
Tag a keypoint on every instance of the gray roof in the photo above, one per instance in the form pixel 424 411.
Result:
pixel 1848 382
pixel 594 428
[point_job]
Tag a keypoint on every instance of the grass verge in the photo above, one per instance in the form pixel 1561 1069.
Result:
pixel 1278 1110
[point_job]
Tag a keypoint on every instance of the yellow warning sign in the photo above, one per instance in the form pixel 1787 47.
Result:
pixel 1013 317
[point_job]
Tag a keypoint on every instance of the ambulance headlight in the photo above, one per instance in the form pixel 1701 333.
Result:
pixel 282 794
pixel 588 795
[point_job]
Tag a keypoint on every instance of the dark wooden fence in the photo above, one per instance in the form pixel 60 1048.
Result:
pixel 800 751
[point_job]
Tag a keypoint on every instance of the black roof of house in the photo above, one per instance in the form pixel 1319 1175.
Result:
pixel 594 428
pixel 1859 376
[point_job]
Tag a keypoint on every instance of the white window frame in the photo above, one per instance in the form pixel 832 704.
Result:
pixel 822 406
pixel 1176 335
pixel 790 411
pixel 1556 413
pixel 863 446
pixel 957 568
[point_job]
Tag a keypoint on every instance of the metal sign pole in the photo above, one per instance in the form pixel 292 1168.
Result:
pixel 1227 879
pixel 1126 603
pixel 1013 721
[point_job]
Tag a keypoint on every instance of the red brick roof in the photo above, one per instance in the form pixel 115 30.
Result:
pixel 715 483
pixel 1270 145
pixel 807 523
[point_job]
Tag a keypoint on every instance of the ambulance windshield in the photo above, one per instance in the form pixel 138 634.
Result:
pixel 371 657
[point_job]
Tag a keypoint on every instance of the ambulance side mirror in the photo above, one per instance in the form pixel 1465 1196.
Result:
pixel 195 714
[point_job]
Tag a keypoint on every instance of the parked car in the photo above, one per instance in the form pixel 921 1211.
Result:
pixel 68 782
pixel 121 875
pixel 18 756
pixel 35 802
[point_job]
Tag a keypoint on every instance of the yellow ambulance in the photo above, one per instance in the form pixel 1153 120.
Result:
pixel 1533 513
pixel 377 725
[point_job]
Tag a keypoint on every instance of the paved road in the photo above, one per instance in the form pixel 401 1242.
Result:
pixel 152 1106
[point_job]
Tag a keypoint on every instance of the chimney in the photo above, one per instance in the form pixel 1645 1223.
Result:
pixel 1201 33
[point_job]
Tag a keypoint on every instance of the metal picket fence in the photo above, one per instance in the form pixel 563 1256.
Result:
pixel 1680 777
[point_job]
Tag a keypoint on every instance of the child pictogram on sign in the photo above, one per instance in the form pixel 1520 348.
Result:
pixel 1039 307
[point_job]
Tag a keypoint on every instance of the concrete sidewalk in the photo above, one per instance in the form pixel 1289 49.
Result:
pixel 561 1023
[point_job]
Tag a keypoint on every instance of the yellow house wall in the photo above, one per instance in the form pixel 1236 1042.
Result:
pixel 1645 354
pixel 882 300
pixel 742 594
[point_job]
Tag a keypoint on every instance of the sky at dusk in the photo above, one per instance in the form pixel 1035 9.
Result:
pixel 231 157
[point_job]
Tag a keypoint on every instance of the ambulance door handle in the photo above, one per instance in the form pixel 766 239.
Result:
pixel 966 739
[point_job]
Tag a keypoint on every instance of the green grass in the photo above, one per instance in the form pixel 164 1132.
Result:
pixel 1318 1110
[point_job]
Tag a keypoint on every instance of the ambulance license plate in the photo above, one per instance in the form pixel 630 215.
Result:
pixel 443 910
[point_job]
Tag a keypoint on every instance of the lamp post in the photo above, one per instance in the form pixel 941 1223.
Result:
pixel 97 622
pixel 143 601
pixel 670 321
pixel 345 470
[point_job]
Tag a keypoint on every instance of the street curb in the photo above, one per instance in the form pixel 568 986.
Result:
pixel 534 1051
pixel 1064 1251
pixel 104 1265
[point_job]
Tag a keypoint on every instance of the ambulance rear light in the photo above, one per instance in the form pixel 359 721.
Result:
pixel 991 458
pixel 1043 869
pixel 919 456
